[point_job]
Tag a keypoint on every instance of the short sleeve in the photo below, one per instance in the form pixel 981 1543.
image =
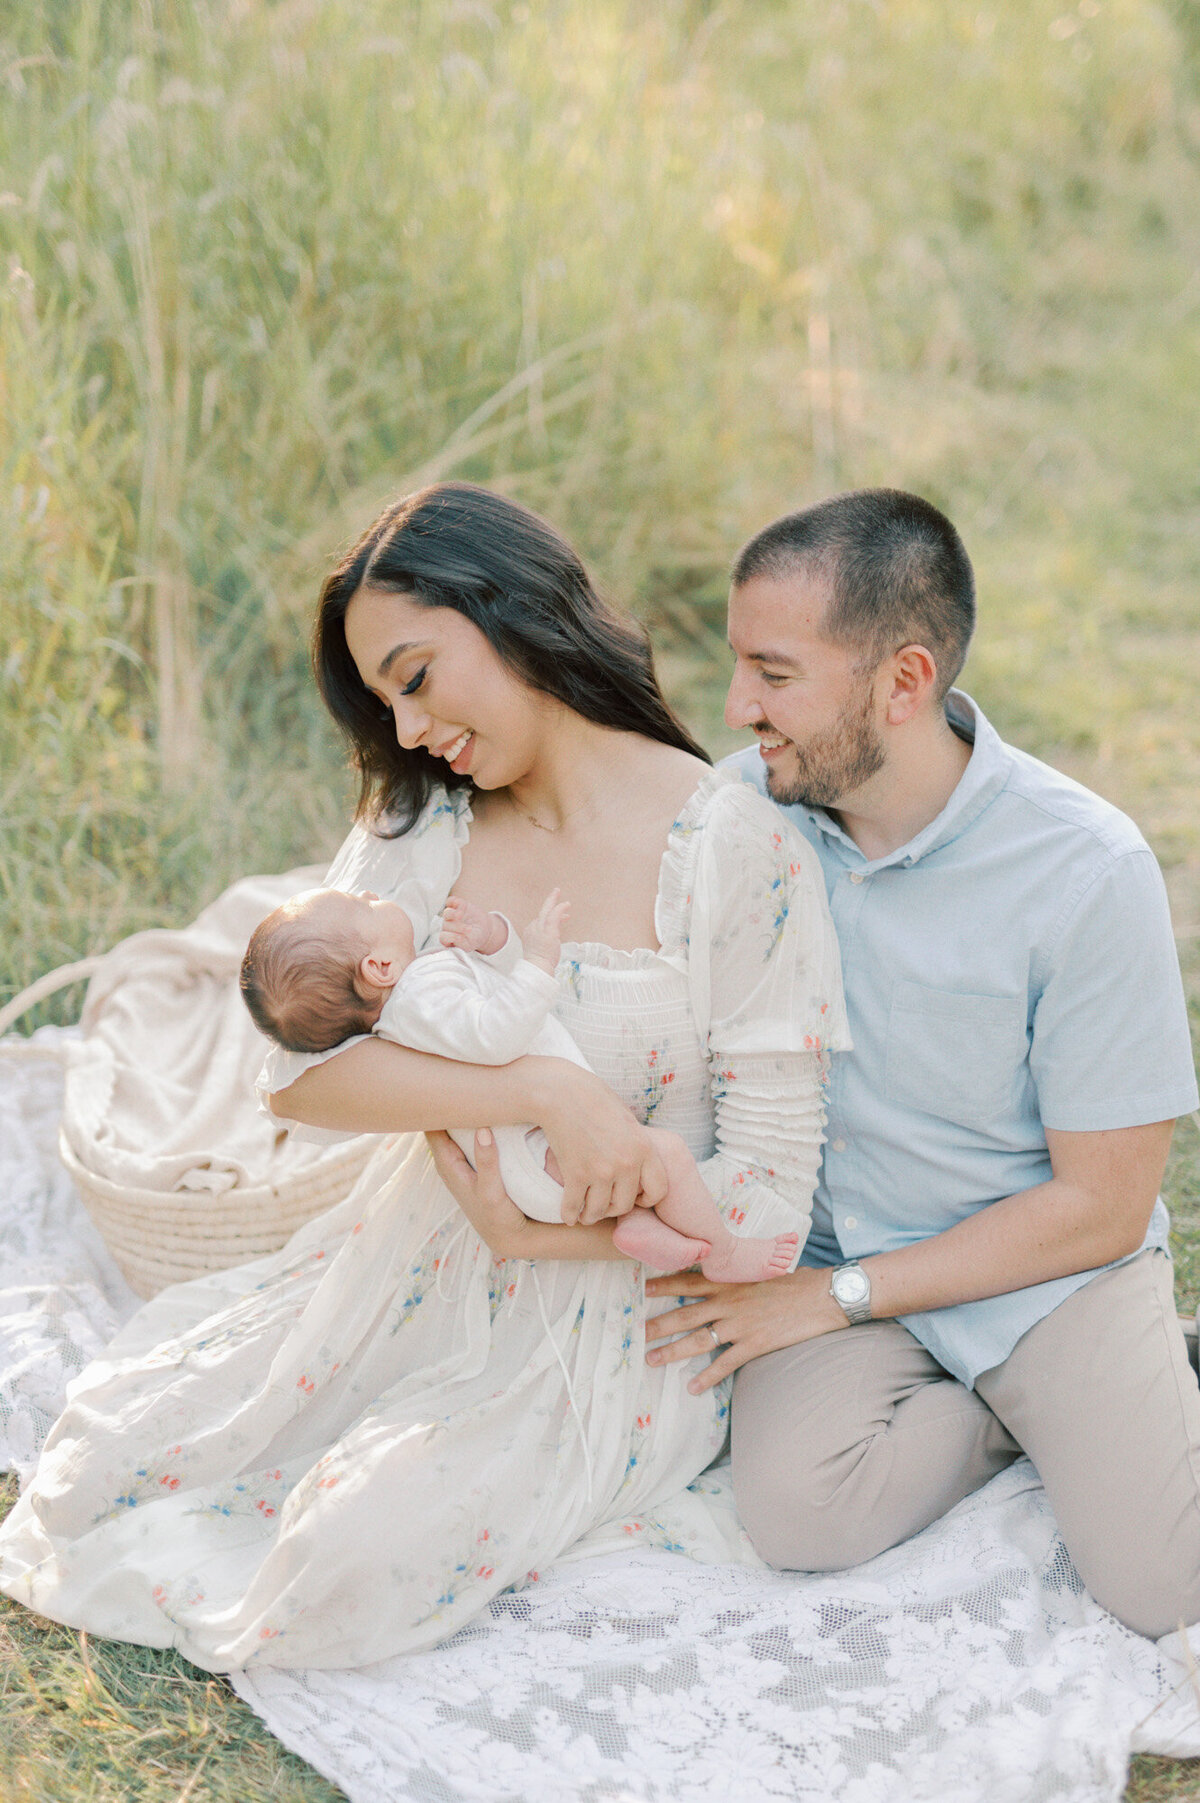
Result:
pixel 1110 1045
pixel 417 869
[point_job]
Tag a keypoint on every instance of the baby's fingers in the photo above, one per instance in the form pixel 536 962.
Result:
pixel 548 908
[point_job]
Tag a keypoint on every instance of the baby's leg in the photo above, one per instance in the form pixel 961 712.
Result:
pixel 644 1235
pixel 641 1234
pixel 689 1208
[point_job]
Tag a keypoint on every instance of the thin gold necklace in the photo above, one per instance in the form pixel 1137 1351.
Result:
pixel 541 824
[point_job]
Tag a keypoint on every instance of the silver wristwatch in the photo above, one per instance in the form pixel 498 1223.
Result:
pixel 850 1288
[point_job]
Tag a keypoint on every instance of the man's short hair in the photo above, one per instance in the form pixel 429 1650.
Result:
pixel 898 573
pixel 299 983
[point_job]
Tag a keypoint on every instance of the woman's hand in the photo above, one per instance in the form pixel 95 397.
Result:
pixel 608 1159
pixel 481 1194
pixel 748 1318
pixel 507 1233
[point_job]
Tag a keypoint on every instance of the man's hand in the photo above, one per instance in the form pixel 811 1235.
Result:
pixel 749 1319
pixel 607 1158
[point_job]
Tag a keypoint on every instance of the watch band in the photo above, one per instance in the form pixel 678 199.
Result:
pixel 857 1305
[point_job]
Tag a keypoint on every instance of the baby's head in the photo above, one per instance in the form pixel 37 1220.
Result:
pixel 319 968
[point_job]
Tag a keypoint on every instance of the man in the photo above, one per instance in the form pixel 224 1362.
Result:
pixel 986 1272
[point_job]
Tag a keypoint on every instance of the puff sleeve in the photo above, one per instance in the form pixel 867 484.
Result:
pixel 750 919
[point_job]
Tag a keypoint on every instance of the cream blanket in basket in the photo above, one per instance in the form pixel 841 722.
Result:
pixel 158 1089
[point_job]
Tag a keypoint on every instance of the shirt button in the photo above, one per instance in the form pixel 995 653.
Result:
pixel 856 876
pixel 837 1145
pixel 851 1222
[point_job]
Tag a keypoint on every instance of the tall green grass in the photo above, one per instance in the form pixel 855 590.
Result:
pixel 658 271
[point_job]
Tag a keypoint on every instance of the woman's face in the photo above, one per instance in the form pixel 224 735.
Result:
pixel 447 689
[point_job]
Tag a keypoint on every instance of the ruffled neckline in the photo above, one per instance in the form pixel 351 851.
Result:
pixel 673 896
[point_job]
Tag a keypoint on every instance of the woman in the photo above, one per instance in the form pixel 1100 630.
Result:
pixel 343 1451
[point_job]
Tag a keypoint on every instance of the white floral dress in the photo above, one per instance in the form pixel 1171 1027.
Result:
pixel 345 1450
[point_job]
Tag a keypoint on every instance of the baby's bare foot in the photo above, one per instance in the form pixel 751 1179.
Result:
pixel 751 1261
pixel 641 1235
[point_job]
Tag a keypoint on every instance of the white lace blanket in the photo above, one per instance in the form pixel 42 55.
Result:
pixel 966 1667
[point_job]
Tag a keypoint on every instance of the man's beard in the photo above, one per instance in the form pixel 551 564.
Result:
pixel 832 764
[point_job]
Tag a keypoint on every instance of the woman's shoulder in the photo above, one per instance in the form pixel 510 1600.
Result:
pixel 416 866
pixel 729 844
pixel 446 813
pixel 724 807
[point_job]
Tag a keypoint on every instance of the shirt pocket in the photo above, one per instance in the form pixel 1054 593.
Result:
pixel 955 1055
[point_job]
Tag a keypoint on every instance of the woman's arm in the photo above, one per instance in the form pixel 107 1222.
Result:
pixel 607 1158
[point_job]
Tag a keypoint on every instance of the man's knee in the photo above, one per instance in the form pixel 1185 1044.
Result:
pixel 1143 1595
pixel 831 1467
pixel 794 1526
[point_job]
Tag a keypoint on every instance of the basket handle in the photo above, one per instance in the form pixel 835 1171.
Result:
pixel 50 984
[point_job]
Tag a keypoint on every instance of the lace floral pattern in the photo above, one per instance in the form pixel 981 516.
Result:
pixel 969 1666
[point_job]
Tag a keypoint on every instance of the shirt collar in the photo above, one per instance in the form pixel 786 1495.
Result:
pixel 982 780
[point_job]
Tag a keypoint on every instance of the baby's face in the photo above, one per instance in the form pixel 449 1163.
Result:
pixel 382 925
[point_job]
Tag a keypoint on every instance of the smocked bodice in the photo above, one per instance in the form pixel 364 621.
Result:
pixel 630 1015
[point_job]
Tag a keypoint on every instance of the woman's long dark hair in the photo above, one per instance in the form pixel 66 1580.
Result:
pixel 456 545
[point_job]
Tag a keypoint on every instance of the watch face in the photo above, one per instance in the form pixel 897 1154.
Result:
pixel 851 1286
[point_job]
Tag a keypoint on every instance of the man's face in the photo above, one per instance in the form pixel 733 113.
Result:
pixel 809 700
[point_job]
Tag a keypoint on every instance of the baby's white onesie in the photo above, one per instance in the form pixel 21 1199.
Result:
pixel 487 1008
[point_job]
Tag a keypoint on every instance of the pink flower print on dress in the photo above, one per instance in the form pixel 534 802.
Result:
pixel 658 1078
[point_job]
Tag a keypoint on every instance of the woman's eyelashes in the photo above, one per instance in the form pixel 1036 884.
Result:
pixel 410 688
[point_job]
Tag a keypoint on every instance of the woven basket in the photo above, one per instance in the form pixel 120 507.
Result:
pixel 159 1237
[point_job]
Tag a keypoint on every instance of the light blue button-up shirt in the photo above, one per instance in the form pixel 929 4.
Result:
pixel 1011 968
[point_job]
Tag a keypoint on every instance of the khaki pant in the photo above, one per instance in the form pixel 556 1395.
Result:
pixel 852 1442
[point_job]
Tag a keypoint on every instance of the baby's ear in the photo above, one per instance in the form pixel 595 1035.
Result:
pixel 377 973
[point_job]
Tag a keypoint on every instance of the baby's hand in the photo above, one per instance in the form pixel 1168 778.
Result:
pixel 543 936
pixel 468 927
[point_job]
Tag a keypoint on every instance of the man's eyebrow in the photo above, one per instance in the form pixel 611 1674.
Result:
pixel 395 652
pixel 770 657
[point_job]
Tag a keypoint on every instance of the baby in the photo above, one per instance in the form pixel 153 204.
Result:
pixel 327 965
